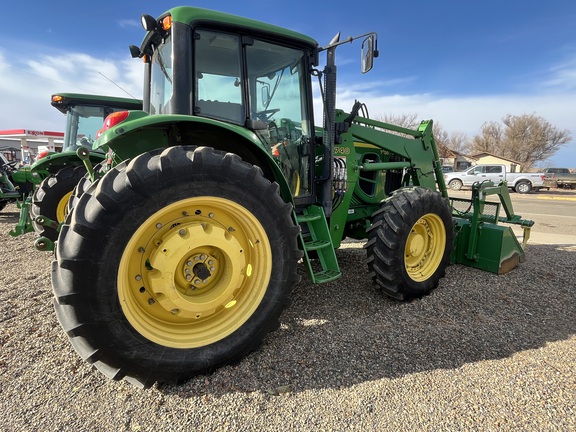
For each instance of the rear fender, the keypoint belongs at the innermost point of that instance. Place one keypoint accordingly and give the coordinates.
(55, 162)
(141, 133)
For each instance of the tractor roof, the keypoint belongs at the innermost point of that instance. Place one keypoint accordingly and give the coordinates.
(194, 16)
(63, 101)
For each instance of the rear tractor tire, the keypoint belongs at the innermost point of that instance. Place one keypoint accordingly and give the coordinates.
(51, 198)
(175, 264)
(410, 242)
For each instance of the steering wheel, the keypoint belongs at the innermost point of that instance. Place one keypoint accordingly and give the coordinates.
(266, 114)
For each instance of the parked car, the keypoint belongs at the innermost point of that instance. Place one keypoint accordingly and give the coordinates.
(560, 178)
(519, 182)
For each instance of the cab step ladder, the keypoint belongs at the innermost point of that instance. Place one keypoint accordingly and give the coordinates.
(315, 236)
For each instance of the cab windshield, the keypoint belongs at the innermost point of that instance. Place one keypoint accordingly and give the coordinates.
(82, 124)
(161, 77)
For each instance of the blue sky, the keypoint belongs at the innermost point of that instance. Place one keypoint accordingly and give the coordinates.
(460, 63)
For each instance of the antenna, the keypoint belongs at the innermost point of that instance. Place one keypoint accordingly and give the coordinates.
(117, 85)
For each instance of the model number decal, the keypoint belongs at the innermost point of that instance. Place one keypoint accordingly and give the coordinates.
(341, 151)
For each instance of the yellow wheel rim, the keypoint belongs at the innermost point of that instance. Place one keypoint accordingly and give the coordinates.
(425, 247)
(194, 272)
(62, 207)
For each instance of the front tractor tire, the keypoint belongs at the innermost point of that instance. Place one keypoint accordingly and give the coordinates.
(174, 264)
(50, 199)
(410, 242)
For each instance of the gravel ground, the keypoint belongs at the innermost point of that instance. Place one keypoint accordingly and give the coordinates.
(482, 352)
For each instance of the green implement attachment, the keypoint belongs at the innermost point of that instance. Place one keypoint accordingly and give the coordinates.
(44, 244)
(479, 241)
(84, 155)
(24, 223)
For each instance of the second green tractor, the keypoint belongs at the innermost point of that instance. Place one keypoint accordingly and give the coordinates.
(54, 175)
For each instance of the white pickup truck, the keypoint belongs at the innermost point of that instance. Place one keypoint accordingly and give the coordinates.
(519, 182)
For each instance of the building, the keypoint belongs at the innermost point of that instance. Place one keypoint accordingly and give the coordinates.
(24, 145)
(461, 162)
(489, 158)
(456, 160)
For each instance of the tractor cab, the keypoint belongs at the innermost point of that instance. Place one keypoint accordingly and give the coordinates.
(85, 114)
(237, 76)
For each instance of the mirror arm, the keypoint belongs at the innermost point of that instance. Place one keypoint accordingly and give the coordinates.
(350, 39)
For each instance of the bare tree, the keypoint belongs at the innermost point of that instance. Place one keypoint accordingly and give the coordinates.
(460, 142)
(526, 139)
(441, 137)
(490, 138)
(408, 121)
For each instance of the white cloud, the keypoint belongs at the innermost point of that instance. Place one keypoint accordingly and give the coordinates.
(468, 113)
(130, 23)
(28, 85)
(563, 76)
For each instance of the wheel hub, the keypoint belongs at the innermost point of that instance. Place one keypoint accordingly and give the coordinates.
(416, 245)
(201, 271)
(187, 287)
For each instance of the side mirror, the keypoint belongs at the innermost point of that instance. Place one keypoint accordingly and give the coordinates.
(368, 53)
(265, 94)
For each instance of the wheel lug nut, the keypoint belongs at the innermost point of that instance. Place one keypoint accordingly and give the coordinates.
(202, 257)
(138, 277)
(158, 225)
(188, 263)
(151, 301)
(210, 262)
(182, 232)
(188, 277)
(197, 281)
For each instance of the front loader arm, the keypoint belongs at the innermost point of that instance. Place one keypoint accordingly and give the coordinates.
(417, 148)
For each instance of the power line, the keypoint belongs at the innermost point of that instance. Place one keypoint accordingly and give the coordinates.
(116, 85)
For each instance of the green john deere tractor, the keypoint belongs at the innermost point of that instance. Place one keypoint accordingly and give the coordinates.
(181, 257)
(57, 173)
(15, 182)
